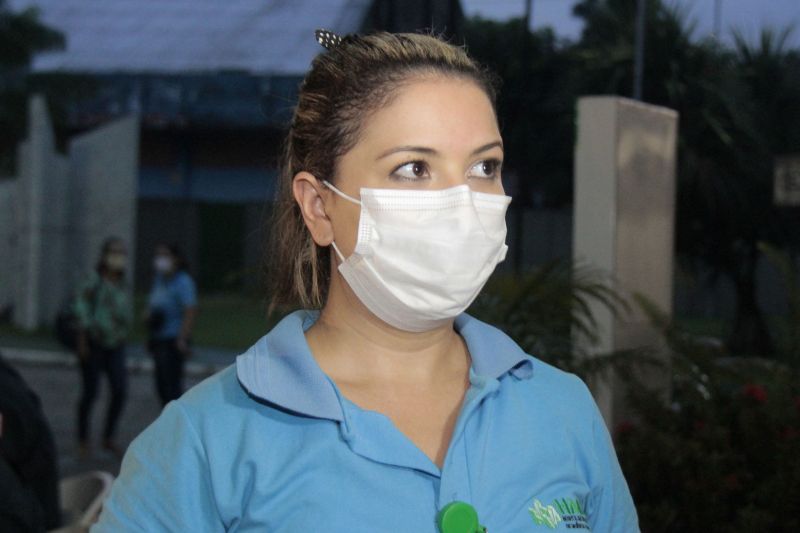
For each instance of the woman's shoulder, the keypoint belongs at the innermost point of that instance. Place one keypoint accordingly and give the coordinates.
(207, 414)
(554, 386)
(191, 444)
(275, 368)
(215, 395)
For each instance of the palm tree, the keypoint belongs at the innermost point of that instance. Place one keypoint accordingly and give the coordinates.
(738, 109)
(750, 113)
(767, 119)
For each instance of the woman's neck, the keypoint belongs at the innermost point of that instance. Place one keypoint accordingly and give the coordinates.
(349, 342)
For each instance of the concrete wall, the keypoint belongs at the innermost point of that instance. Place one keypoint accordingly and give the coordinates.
(62, 208)
(103, 176)
(40, 207)
(256, 219)
(624, 219)
(8, 238)
(164, 221)
(181, 222)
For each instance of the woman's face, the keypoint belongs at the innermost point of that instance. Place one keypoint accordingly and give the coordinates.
(116, 256)
(436, 133)
(163, 260)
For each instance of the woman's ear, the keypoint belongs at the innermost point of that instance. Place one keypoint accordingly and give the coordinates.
(307, 191)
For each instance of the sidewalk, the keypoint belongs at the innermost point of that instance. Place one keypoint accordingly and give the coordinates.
(204, 360)
(54, 376)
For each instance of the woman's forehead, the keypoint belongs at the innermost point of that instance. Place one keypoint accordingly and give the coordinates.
(444, 113)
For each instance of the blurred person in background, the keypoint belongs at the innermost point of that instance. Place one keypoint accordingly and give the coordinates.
(171, 311)
(103, 310)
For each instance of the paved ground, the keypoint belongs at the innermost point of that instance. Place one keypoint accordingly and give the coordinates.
(56, 379)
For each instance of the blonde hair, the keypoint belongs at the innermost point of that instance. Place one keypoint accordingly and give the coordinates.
(344, 85)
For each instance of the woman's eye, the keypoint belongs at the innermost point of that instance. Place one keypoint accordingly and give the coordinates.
(486, 169)
(412, 170)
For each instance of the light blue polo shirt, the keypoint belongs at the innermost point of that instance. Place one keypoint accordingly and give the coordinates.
(271, 445)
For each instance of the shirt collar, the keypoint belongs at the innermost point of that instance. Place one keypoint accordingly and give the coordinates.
(279, 369)
(493, 353)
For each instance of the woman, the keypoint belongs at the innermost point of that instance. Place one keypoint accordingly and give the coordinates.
(103, 311)
(170, 316)
(381, 411)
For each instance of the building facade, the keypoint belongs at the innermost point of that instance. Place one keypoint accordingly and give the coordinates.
(213, 84)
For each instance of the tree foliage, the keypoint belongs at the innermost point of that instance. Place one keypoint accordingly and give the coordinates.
(722, 454)
(21, 36)
(548, 308)
(739, 108)
(535, 105)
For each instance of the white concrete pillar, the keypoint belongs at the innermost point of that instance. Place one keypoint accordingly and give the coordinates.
(33, 162)
(8, 238)
(625, 164)
(63, 209)
(104, 180)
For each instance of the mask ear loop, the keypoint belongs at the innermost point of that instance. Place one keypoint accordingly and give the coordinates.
(346, 197)
(336, 249)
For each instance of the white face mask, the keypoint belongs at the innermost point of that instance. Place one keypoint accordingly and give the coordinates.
(423, 256)
(116, 261)
(162, 264)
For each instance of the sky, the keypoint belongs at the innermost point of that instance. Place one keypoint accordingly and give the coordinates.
(745, 16)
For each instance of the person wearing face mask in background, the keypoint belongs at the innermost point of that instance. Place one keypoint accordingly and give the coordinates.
(103, 311)
(170, 318)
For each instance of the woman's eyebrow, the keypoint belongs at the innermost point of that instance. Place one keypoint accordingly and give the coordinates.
(488, 147)
(431, 151)
(418, 149)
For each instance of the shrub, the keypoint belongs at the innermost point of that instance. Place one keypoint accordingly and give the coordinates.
(543, 309)
(724, 455)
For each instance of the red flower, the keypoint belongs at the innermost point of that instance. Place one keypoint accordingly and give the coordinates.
(755, 392)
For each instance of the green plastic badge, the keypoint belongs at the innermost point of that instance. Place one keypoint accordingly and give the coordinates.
(459, 517)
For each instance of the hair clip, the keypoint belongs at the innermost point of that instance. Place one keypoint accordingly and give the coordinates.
(328, 39)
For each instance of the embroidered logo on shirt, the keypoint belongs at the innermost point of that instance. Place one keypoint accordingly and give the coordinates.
(545, 516)
(567, 510)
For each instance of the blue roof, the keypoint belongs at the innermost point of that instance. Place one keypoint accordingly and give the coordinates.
(262, 37)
